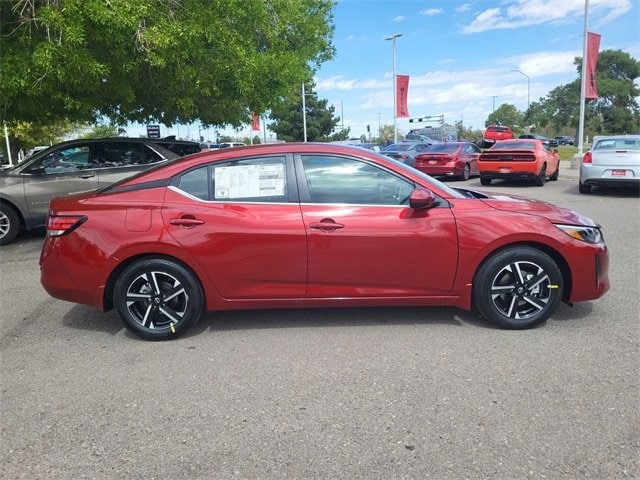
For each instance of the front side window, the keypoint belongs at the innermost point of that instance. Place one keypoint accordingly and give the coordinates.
(332, 179)
(63, 160)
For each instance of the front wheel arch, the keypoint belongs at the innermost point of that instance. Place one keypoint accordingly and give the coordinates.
(553, 254)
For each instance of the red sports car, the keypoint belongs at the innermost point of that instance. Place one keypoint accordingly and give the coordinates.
(452, 159)
(525, 159)
(312, 225)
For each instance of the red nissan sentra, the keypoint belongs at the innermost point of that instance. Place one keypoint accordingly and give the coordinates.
(312, 225)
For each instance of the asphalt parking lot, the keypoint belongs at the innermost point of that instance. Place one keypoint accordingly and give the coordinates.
(406, 393)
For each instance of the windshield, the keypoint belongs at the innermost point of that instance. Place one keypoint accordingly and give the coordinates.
(427, 179)
(443, 148)
(399, 147)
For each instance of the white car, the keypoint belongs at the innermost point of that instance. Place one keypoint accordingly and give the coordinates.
(612, 161)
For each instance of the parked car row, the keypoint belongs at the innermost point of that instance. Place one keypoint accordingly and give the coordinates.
(75, 165)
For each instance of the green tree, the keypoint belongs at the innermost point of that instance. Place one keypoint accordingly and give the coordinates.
(465, 133)
(321, 123)
(507, 115)
(614, 111)
(385, 135)
(156, 60)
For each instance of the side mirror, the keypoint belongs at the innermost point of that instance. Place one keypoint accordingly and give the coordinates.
(555, 150)
(421, 198)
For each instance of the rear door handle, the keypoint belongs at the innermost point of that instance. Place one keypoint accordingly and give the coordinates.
(186, 222)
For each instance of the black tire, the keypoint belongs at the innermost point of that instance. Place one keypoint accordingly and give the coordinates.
(158, 299)
(540, 179)
(466, 172)
(582, 188)
(556, 174)
(485, 180)
(9, 224)
(518, 288)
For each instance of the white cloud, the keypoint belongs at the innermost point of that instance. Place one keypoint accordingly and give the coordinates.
(521, 13)
(465, 7)
(399, 18)
(430, 12)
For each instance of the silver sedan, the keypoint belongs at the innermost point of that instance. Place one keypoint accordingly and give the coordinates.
(612, 161)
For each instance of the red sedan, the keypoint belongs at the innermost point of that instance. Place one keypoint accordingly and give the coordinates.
(452, 159)
(312, 225)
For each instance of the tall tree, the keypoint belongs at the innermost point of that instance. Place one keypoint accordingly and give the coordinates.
(156, 60)
(321, 123)
(508, 115)
(614, 111)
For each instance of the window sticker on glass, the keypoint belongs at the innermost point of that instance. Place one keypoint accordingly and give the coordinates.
(240, 181)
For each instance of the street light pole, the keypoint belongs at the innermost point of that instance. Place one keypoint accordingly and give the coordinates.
(395, 120)
(528, 85)
(494, 103)
(304, 114)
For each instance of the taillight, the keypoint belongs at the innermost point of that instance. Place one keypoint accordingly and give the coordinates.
(586, 158)
(58, 225)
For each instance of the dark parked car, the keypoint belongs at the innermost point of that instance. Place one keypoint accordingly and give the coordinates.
(312, 225)
(551, 142)
(565, 140)
(181, 147)
(76, 165)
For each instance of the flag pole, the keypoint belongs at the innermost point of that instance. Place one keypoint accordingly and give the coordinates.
(583, 83)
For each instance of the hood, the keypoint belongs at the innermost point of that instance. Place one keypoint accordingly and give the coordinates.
(529, 206)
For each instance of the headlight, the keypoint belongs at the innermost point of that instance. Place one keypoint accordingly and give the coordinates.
(582, 233)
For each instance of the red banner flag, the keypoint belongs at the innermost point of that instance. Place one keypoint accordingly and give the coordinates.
(593, 47)
(255, 122)
(402, 94)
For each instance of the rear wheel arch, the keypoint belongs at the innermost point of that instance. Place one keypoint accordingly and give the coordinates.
(115, 274)
(11, 214)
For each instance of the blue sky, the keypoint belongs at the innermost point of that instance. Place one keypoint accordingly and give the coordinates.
(459, 54)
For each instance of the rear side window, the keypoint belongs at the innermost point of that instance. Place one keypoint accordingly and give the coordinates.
(246, 180)
(122, 154)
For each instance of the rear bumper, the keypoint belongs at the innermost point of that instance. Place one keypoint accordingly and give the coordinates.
(609, 175)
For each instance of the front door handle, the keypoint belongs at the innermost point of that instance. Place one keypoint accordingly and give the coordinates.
(326, 225)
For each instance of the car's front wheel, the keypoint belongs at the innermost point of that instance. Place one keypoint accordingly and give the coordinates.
(9, 224)
(158, 299)
(517, 288)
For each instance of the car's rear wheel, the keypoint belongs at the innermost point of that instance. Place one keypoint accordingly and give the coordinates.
(542, 177)
(158, 299)
(485, 180)
(584, 188)
(466, 172)
(555, 174)
(518, 288)
(9, 224)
